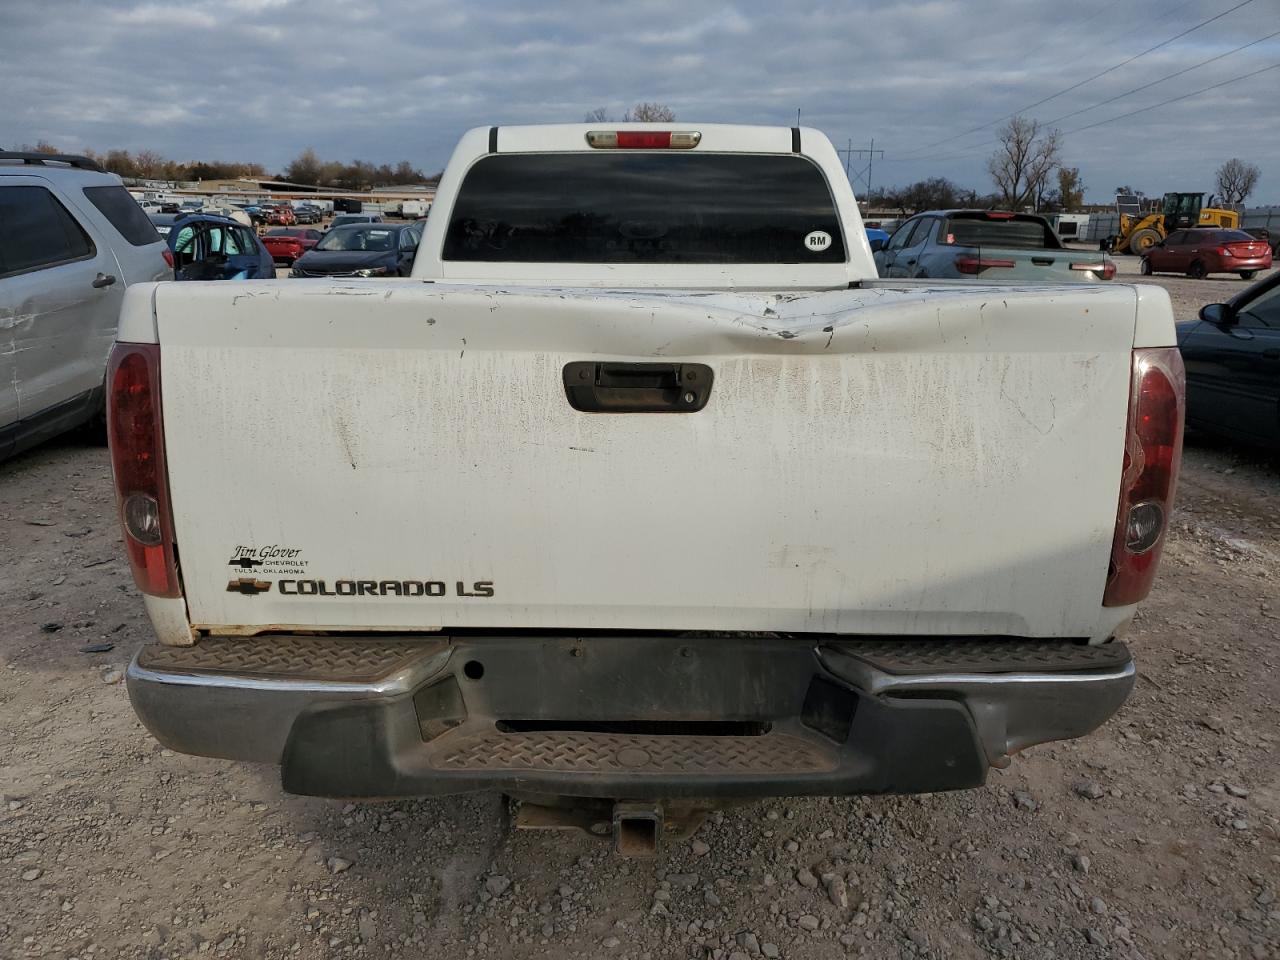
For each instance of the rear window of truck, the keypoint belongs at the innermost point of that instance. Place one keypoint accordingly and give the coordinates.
(644, 208)
(1030, 233)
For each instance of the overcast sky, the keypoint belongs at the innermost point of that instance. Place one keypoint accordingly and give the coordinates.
(385, 80)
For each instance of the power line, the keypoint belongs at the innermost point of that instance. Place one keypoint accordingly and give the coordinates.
(1076, 86)
(1108, 6)
(1163, 103)
(968, 151)
(1170, 76)
(1166, 16)
(869, 152)
(1124, 116)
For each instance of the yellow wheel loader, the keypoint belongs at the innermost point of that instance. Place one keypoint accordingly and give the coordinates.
(1139, 232)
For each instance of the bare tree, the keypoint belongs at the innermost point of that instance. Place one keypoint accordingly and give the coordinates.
(304, 168)
(598, 115)
(936, 193)
(1236, 180)
(120, 162)
(1021, 165)
(649, 113)
(1070, 189)
(150, 165)
(40, 146)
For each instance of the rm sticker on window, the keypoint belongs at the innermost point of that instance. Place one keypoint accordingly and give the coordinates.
(817, 241)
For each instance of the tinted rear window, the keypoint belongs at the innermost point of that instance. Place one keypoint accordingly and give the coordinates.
(644, 208)
(37, 231)
(978, 231)
(1234, 236)
(366, 238)
(125, 215)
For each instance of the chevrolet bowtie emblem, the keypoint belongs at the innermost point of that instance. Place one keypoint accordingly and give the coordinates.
(248, 586)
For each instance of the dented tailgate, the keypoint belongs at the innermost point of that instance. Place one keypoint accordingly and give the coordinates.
(404, 456)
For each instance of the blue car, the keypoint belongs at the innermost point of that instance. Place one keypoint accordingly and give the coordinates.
(205, 247)
(988, 245)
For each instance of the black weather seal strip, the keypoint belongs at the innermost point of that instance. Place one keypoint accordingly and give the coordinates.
(493, 139)
(795, 139)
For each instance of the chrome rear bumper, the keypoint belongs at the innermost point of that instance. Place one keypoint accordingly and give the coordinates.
(626, 716)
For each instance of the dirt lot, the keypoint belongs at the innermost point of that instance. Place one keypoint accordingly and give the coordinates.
(1158, 837)
(1189, 295)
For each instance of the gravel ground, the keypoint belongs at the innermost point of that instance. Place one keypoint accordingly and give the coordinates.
(1157, 837)
(1188, 295)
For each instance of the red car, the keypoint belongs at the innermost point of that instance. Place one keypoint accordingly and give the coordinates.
(282, 215)
(287, 244)
(1201, 251)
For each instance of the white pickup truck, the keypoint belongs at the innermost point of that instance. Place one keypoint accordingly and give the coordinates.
(642, 494)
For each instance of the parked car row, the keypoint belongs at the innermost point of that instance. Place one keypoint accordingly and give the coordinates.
(207, 247)
(286, 215)
(1001, 245)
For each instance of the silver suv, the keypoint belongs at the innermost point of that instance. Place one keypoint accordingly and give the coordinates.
(71, 239)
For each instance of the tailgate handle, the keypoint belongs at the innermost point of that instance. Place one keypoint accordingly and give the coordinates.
(1042, 261)
(607, 387)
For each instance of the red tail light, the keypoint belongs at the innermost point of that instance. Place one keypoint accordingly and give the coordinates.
(1152, 455)
(998, 214)
(966, 263)
(643, 139)
(168, 257)
(136, 435)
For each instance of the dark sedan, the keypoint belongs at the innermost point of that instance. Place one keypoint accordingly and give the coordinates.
(1232, 355)
(362, 250)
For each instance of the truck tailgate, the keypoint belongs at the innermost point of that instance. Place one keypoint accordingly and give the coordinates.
(402, 456)
(1020, 265)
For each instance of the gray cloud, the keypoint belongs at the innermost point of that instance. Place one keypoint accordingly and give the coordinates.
(261, 79)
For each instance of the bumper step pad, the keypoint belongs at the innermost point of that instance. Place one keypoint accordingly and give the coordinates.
(572, 751)
(319, 659)
(349, 659)
(928, 655)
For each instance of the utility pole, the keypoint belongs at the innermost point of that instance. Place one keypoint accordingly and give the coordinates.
(869, 152)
